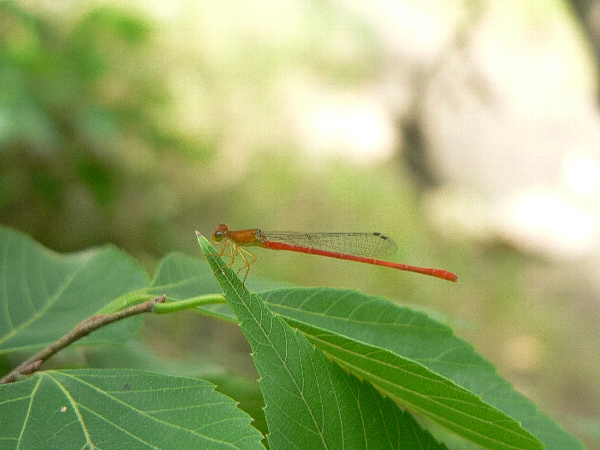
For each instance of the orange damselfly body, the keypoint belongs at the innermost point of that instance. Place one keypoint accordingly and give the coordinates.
(360, 247)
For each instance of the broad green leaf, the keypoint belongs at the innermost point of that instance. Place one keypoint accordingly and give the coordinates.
(43, 294)
(129, 409)
(310, 402)
(415, 387)
(414, 336)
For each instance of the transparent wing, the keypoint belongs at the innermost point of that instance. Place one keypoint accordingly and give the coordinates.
(368, 244)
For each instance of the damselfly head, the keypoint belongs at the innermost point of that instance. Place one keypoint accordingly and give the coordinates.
(220, 232)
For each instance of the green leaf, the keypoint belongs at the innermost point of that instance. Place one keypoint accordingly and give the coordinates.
(413, 336)
(310, 402)
(120, 409)
(44, 294)
(419, 389)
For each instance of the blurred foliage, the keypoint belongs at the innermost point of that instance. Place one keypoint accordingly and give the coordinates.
(80, 135)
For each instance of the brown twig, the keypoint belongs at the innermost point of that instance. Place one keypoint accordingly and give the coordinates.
(81, 330)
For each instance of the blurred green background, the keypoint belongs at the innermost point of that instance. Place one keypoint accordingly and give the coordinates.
(136, 124)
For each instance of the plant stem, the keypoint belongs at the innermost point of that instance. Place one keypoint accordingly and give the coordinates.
(170, 307)
(81, 330)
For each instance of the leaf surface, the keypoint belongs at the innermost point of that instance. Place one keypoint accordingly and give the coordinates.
(43, 294)
(129, 409)
(412, 335)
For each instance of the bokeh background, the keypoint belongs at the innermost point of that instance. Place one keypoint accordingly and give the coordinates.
(467, 130)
